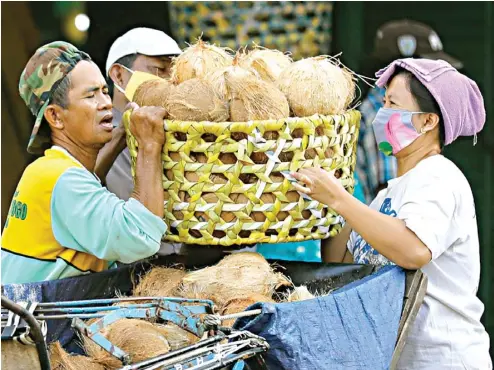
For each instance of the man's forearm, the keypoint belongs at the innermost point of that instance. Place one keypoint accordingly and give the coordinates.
(109, 153)
(148, 182)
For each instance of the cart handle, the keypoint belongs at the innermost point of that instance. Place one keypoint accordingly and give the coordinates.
(44, 358)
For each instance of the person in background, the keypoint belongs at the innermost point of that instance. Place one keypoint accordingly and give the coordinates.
(148, 51)
(396, 39)
(62, 222)
(425, 218)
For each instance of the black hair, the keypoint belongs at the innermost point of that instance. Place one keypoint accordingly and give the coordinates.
(423, 97)
(126, 61)
(60, 97)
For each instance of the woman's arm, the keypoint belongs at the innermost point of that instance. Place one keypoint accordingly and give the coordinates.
(388, 235)
(334, 250)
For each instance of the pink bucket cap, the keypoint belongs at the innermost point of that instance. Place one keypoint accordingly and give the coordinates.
(458, 97)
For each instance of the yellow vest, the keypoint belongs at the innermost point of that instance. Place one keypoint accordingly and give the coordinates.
(28, 228)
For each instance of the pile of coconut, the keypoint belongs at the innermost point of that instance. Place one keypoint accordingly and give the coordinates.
(215, 84)
(238, 280)
(235, 283)
(211, 83)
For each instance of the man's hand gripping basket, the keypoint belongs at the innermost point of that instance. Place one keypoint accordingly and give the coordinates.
(225, 182)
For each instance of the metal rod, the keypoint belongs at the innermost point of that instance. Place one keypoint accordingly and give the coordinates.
(116, 300)
(44, 359)
(92, 309)
(180, 351)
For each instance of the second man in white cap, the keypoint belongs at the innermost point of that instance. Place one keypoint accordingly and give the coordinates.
(144, 50)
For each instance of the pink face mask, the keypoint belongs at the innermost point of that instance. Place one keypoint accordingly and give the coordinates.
(394, 130)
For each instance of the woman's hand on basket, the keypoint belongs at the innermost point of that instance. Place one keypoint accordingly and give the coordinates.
(320, 185)
(146, 124)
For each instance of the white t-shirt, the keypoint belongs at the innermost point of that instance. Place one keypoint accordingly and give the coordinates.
(436, 203)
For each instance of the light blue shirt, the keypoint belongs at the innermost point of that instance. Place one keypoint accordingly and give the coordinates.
(84, 216)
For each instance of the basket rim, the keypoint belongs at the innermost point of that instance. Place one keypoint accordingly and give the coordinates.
(288, 120)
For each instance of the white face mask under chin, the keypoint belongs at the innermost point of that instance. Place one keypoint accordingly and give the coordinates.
(118, 87)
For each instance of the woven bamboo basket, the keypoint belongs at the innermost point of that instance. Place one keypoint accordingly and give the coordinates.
(216, 194)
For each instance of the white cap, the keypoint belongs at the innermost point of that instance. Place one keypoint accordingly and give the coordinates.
(146, 41)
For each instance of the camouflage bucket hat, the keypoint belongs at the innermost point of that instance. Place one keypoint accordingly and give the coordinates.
(43, 73)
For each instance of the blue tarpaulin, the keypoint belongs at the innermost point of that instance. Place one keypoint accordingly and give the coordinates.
(355, 327)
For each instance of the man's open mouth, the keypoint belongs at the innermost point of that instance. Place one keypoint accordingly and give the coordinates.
(107, 121)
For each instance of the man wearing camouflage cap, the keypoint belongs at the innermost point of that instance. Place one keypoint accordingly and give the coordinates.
(62, 222)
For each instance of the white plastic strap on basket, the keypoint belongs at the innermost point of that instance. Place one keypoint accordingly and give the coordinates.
(273, 157)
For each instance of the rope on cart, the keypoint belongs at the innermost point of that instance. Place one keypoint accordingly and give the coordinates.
(215, 320)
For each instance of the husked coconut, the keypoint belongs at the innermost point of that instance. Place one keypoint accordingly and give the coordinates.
(180, 136)
(266, 198)
(238, 136)
(217, 78)
(199, 157)
(255, 99)
(268, 63)
(176, 336)
(61, 360)
(316, 86)
(250, 97)
(240, 304)
(248, 178)
(228, 158)
(153, 93)
(191, 176)
(195, 100)
(218, 178)
(312, 153)
(300, 293)
(233, 276)
(259, 157)
(238, 111)
(159, 282)
(212, 198)
(199, 59)
(277, 177)
(286, 156)
(139, 338)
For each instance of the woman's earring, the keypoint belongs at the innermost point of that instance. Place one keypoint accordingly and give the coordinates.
(422, 130)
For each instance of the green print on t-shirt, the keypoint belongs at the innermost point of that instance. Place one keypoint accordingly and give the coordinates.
(18, 210)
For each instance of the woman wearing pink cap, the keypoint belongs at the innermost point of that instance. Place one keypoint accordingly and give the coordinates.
(425, 219)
